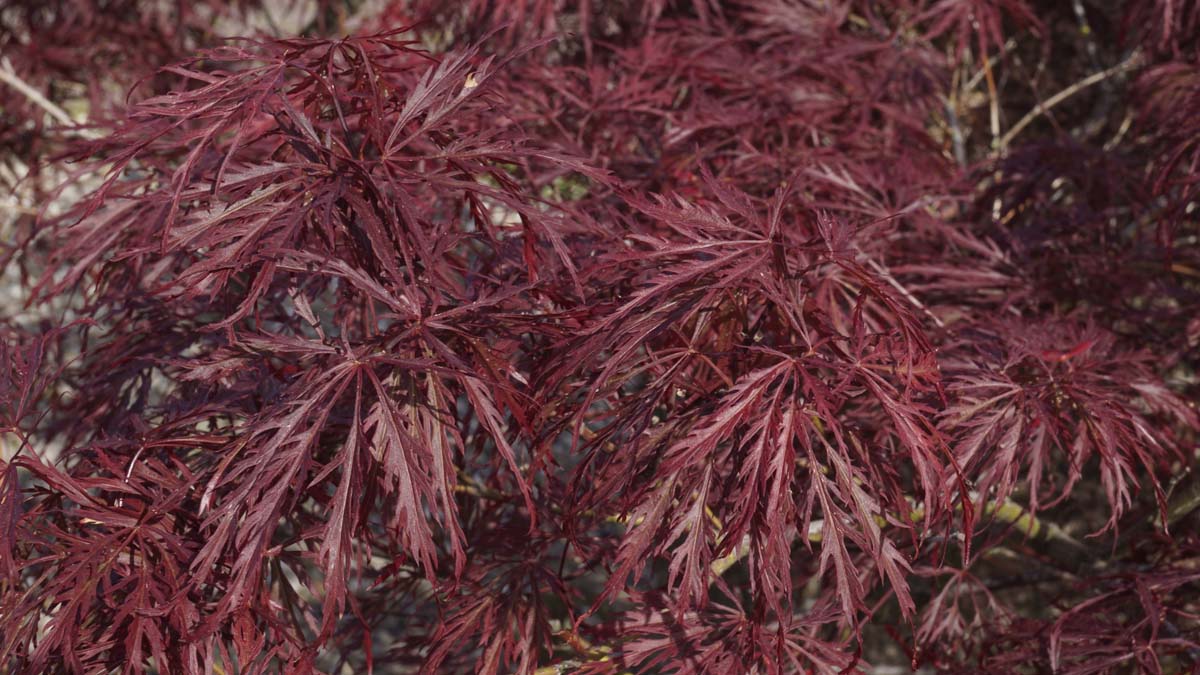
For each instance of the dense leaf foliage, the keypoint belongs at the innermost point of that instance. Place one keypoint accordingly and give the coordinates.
(560, 336)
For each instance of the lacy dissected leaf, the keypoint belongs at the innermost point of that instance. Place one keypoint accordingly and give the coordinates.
(1034, 408)
(598, 337)
(792, 338)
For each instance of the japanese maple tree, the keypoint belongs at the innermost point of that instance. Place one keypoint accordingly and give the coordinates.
(570, 336)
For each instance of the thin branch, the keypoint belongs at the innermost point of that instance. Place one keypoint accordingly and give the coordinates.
(1183, 503)
(1009, 45)
(993, 123)
(1130, 63)
(1126, 123)
(9, 76)
(956, 134)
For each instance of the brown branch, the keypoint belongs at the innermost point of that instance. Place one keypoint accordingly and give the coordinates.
(9, 76)
(1130, 63)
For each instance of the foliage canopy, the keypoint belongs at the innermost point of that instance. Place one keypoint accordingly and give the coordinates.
(555, 336)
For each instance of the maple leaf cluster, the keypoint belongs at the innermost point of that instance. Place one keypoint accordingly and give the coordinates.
(573, 336)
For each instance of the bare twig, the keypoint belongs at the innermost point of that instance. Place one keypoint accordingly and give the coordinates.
(994, 123)
(1183, 502)
(1009, 45)
(1126, 123)
(9, 76)
(956, 134)
(993, 99)
(1130, 63)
